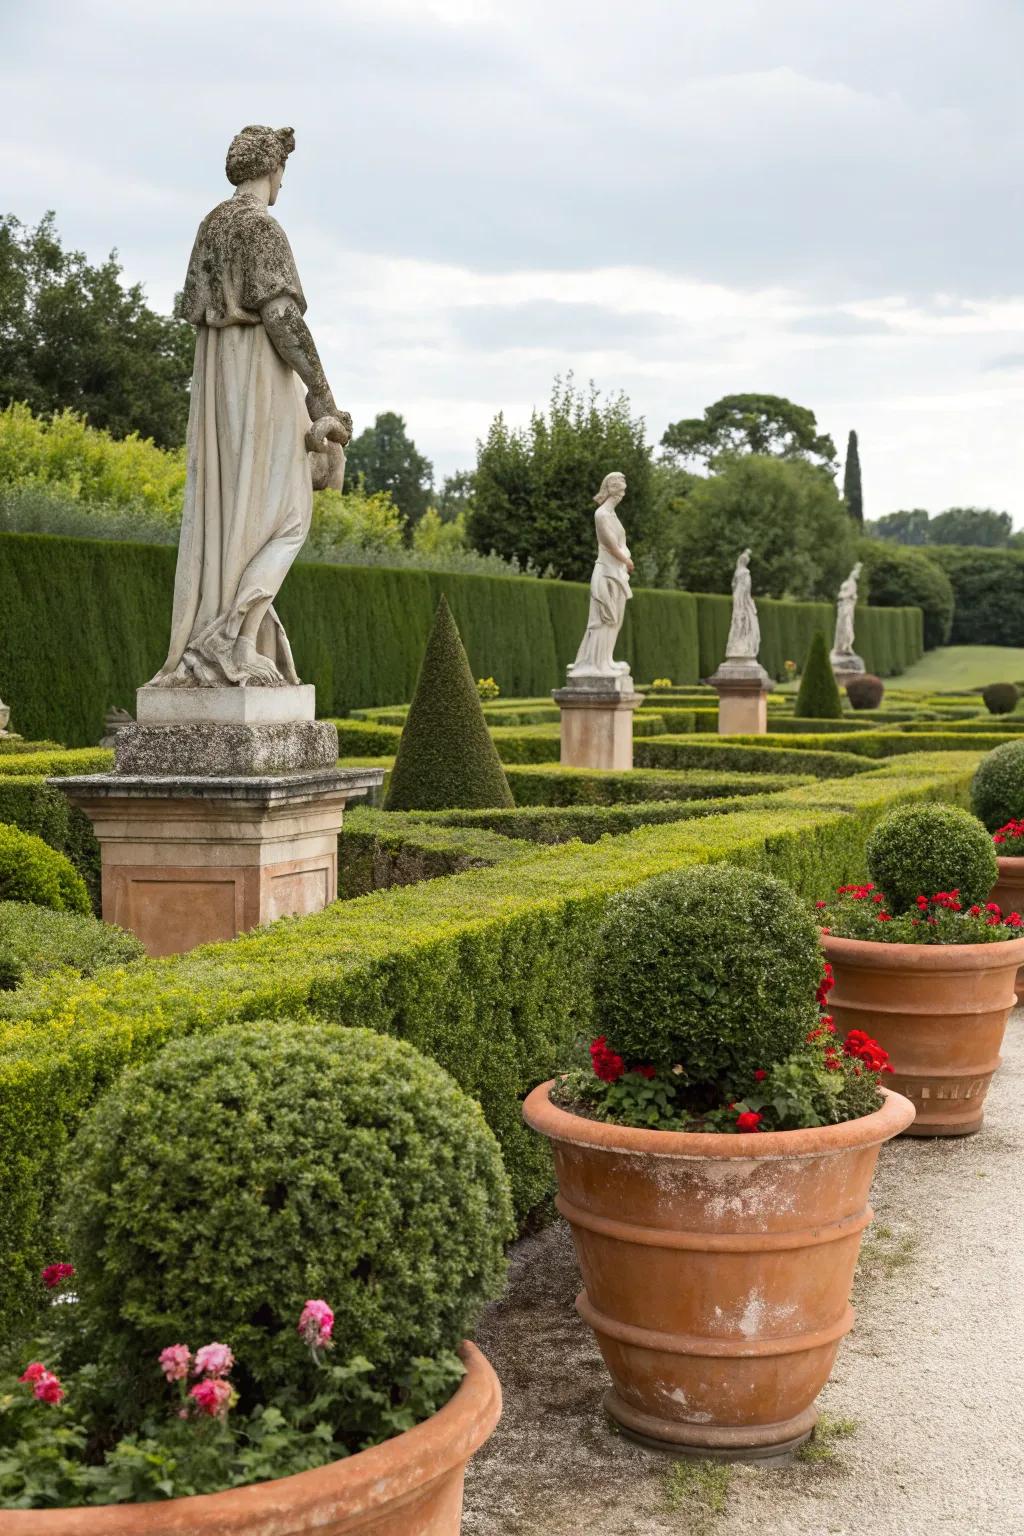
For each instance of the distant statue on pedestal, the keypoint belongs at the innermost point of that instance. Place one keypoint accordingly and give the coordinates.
(744, 640)
(260, 402)
(609, 589)
(846, 604)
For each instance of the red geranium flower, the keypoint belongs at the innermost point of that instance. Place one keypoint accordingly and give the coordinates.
(54, 1274)
(750, 1120)
(608, 1066)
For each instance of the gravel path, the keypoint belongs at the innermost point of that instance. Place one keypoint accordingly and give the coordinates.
(932, 1376)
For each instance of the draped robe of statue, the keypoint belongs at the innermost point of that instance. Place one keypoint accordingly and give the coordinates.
(744, 640)
(846, 604)
(609, 594)
(248, 497)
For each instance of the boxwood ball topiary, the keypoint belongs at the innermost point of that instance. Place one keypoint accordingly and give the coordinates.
(918, 850)
(30, 870)
(218, 1187)
(997, 793)
(446, 758)
(866, 691)
(818, 698)
(714, 968)
(1000, 698)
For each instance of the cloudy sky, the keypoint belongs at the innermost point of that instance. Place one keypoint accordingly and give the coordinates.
(675, 199)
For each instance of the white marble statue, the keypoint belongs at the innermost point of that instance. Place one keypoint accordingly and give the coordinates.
(259, 400)
(846, 604)
(744, 640)
(609, 588)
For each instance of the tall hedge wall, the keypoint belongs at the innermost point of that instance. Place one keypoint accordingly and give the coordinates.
(84, 622)
(988, 586)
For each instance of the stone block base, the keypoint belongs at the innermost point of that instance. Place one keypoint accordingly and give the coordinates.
(742, 688)
(229, 751)
(597, 728)
(225, 706)
(192, 861)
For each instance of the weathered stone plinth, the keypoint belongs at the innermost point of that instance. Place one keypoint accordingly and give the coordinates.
(192, 860)
(225, 751)
(846, 665)
(597, 722)
(743, 688)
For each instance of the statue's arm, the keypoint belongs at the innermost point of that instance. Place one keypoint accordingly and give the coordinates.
(294, 344)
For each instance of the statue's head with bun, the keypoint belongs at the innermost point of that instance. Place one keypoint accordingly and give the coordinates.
(257, 153)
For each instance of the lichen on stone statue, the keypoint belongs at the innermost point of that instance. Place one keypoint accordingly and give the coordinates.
(263, 428)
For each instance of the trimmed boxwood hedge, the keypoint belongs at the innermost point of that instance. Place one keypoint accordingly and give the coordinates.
(358, 632)
(539, 785)
(378, 849)
(748, 754)
(487, 972)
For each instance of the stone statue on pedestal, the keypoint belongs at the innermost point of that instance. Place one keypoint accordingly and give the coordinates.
(744, 640)
(609, 593)
(845, 662)
(260, 400)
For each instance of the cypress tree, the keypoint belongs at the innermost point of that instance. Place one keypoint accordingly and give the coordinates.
(446, 758)
(818, 698)
(852, 494)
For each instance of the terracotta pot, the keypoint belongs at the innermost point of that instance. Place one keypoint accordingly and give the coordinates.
(940, 1010)
(1009, 892)
(717, 1268)
(409, 1486)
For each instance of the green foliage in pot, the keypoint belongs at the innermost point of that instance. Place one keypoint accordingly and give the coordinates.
(708, 988)
(32, 871)
(220, 1185)
(997, 793)
(818, 698)
(709, 967)
(1001, 698)
(922, 849)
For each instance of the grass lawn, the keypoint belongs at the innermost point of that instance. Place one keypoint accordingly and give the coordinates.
(963, 666)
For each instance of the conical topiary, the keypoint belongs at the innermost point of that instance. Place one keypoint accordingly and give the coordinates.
(446, 758)
(818, 698)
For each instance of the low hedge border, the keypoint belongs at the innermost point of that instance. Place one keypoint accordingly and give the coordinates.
(29, 803)
(542, 785)
(879, 744)
(588, 823)
(487, 972)
(17, 744)
(379, 849)
(749, 754)
(60, 764)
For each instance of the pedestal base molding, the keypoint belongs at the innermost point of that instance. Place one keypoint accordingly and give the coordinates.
(596, 728)
(193, 860)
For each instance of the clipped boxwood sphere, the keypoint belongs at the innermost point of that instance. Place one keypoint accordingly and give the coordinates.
(30, 870)
(218, 1187)
(921, 849)
(997, 793)
(715, 968)
(1000, 698)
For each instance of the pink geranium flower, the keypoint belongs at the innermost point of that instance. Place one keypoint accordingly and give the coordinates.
(175, 1361)
(316, 1324)
(214, 1396)
(213, 1360)
(45, 1385)
(55, 1274)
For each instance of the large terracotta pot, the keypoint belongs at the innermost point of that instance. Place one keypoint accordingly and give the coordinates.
(940, 1010)
(409, 1486)
(1009, 892)
(716, 1268)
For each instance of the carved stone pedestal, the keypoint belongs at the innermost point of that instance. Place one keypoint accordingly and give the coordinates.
(743, 688)
(846, 665)
(194, 860)
(597, 723)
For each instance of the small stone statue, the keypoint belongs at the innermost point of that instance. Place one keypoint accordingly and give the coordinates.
(249, 492)
(5, 715)
(846, 604)
(609, 589)
(744, 640)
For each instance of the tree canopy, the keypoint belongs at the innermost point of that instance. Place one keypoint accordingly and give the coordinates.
(789, 513)
(72, 336)
(385, 458)
(534, 486)
(763, 424)
(980, 527)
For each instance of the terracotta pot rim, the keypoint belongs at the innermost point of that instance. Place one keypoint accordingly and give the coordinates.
(558, 1124)
(926, 957)
(359, 1484)
(1011, 860)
